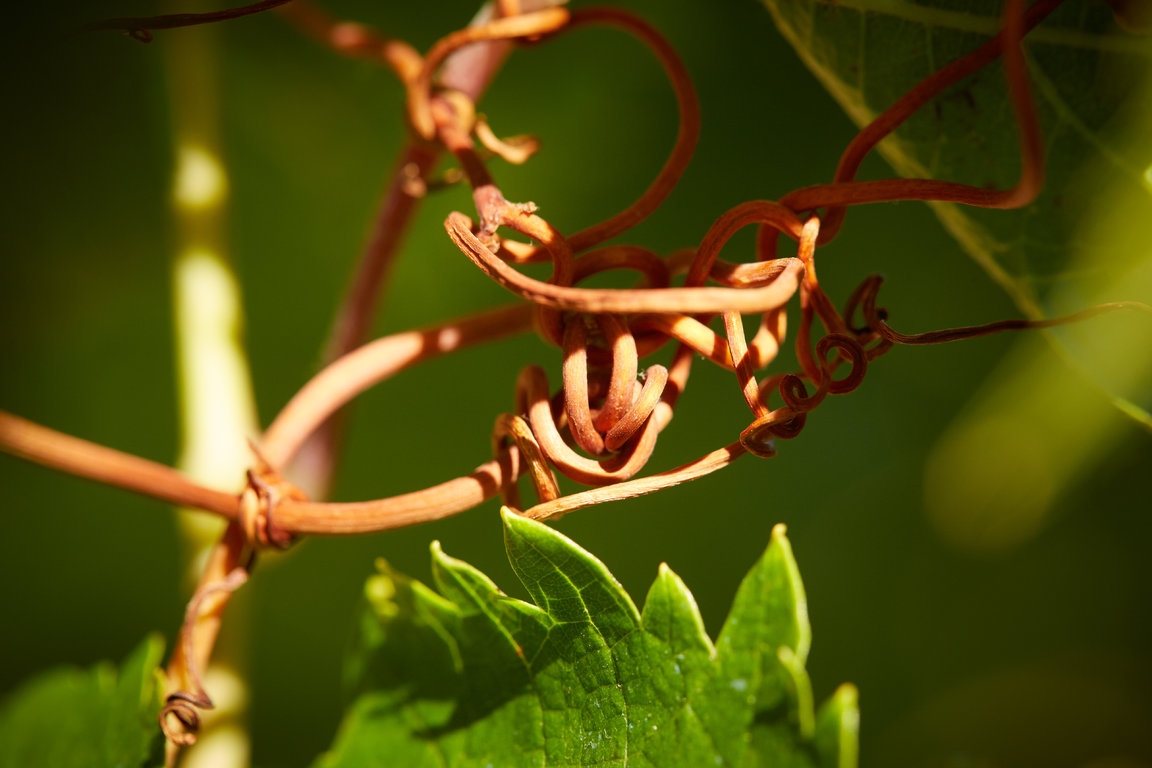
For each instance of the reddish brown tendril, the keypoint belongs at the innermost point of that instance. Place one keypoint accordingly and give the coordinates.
(576, 388)
(688, 132)
(532, 386)
(689, 300)
(876, 317)
(604, 333)
(625, 363)
(1015, 21)
(655, 379)
(544, 481)
(524, 25)
(180, 716)
(673, 316)
(693, 470)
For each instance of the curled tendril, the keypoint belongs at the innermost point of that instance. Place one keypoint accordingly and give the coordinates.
(795, 394)
(851, 351)
(604, 334)
(843, 192)
(532, 395)
(758, 438)
(600, 428)
(180, 716)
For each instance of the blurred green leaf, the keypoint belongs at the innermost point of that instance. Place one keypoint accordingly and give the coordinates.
(838, 728)
(468, 676)
(87, 717)
(1086, 74)
(868, 53)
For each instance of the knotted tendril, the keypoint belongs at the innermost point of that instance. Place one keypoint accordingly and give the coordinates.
(600, 426)
(264, 491)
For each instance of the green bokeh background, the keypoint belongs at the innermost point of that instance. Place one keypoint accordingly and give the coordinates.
(1033, 655)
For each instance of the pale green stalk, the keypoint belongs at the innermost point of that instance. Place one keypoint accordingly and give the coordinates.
(218, 414)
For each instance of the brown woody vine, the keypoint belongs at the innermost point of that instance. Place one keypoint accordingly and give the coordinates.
(602, 424)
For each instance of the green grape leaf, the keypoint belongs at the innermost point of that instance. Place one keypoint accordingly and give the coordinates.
(88, 718)
(1087, 75)
(467, 676)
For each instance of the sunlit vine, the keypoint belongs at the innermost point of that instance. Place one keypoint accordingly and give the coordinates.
(601, 426)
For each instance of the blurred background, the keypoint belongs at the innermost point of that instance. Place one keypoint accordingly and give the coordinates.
(977, 637)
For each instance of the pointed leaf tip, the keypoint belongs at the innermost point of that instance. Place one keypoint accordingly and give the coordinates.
(566, 580)
(461, 583)
(770, 609)
(671, 614)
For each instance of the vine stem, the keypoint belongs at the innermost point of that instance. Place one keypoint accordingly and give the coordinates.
(324, 394)
(355, 372)
(315, 462)
(82, 458)
(469, 70)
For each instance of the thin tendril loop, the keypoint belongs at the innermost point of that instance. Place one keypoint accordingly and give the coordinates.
(764, 212)
(184, 709)
(688, 132)
(852, 352)
(759, 437)
(795, 394)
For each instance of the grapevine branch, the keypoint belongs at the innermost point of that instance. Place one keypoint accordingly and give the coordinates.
(468, 71)
(600, 428)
